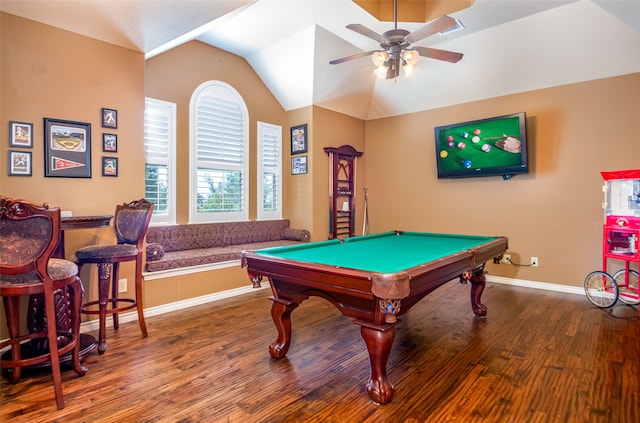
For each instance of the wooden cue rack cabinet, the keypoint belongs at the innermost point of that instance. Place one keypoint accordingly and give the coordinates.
(342, 185)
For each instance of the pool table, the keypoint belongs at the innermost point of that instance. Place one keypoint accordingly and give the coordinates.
(372, 279)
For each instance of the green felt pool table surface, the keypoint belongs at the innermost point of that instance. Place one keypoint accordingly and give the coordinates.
(387, 252)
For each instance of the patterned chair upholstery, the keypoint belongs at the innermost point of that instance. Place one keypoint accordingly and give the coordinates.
(29, 234)
(130, 223)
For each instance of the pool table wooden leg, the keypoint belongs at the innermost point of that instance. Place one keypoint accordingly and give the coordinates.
(281, 313)
(379, 340)
(478, 282)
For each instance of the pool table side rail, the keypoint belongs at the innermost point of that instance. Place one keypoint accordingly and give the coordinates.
(430, 276)
(322, 277)
(313, 275)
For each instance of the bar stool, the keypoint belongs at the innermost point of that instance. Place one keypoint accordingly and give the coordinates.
(29, 234)
(130, 223)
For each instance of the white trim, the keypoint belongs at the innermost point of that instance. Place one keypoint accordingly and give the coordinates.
(175, 306)
(537, 285)
(161, 274)
(179, 305)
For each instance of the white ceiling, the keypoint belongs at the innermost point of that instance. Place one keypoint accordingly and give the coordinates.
(509, 46)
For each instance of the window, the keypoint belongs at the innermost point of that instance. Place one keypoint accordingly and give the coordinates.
(219, 137)
(269, 171)
(159, 153)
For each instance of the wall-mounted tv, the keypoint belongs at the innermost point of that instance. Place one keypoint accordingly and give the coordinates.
(485, 147)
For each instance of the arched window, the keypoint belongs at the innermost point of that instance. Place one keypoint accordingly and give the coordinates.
(219, 140)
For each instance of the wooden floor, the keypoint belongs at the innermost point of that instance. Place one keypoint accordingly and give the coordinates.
(538, 356)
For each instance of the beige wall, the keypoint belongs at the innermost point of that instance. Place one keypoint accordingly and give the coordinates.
(553, 213)
(299, 195)
(48, 72)
(332, 129)
(174, 75)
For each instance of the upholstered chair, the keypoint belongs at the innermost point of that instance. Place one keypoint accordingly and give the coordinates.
(130, 223)
(29, 234)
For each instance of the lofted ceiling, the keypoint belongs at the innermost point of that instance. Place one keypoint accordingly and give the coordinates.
(509, 46)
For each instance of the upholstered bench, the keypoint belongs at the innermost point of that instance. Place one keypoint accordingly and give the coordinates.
(177, 246)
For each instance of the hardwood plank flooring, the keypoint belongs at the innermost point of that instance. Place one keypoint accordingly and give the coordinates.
(538, 356)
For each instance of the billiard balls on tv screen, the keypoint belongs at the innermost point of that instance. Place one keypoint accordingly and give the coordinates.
(461, 145)
(486, 148)
(466, 164)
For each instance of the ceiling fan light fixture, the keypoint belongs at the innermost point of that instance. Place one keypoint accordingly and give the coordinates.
(379, 58)
(410, 57)
(381, 71)
(408, 69)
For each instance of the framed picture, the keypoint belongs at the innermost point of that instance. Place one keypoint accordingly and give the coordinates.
(109, 118)
(19, 163)
(298, 165)
(67, 148)
(20, 134)
(109, 166)
(110, 143)
(299, 139)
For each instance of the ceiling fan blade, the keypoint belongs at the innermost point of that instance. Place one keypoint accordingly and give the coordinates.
(442, 23)
(434, 53)
(361, 29)
(354, 56)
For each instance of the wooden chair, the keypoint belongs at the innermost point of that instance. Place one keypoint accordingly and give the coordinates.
(29, 233)
(130, 223)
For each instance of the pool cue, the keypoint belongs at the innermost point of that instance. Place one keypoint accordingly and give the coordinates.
(365, 221)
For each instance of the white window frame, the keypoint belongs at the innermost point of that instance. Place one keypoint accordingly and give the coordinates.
(274, 134)
(159, 216)
(225, 92)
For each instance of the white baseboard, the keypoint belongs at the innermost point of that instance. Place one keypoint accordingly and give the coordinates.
(175, 306)
(537, 285)
(179, 305)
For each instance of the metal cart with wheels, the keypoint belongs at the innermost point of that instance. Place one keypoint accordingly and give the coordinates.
(620, 242)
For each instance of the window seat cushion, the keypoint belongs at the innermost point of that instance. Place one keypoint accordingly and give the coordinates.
(176, 246)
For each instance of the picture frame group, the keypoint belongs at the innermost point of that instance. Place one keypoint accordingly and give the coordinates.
(299, 165)
(20, 134)
(109, 118)
(299, 143)
(67, 148)
(19, 163)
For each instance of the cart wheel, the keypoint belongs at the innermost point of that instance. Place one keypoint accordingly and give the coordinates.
(628, 293)
(601, 289)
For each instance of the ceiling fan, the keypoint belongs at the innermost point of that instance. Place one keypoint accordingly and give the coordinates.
(395, 44)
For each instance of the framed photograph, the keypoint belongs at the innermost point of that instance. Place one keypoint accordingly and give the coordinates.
(109, 118)
(298, 165)
(109, 166)
(67, 148)
(110, 143)
(19, 163)
(299, 139)
(20, 134)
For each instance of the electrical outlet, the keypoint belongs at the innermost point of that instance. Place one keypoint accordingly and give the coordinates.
(506, 259)
(122, 285)
(534, 261)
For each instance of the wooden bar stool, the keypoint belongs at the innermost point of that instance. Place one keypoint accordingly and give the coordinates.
(130, 223)
(29, 234)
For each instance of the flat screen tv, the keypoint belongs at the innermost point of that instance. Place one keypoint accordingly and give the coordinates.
(494, 146)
